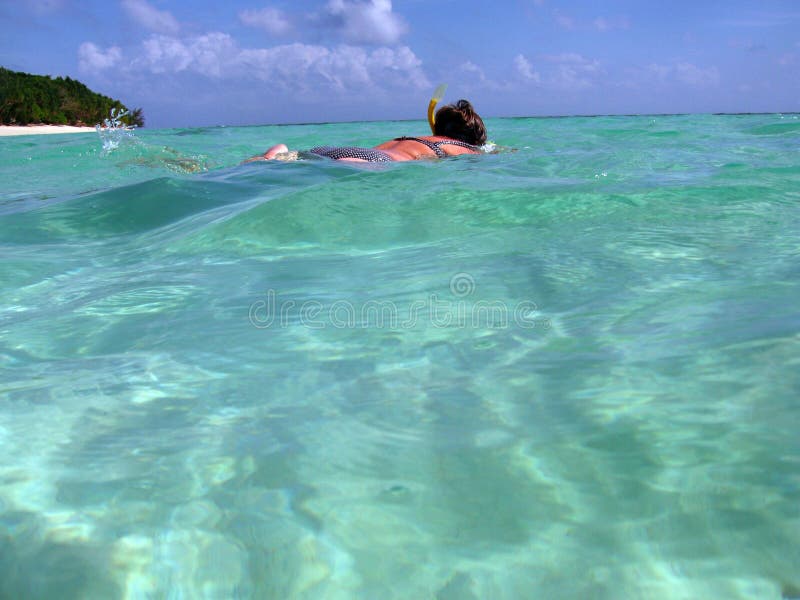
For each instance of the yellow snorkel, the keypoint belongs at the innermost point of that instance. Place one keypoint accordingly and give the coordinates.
(437, 95)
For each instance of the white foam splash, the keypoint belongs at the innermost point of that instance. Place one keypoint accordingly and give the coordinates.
(113, 131)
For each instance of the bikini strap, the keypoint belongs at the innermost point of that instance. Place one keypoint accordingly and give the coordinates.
(432, 145)
(459, 143)
(437, 146)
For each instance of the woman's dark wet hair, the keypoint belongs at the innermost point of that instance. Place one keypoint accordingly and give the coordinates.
(460, 122)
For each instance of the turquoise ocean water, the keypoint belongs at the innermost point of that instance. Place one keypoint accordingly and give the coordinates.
(570, 369)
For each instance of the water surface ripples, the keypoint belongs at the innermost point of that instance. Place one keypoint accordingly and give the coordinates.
(565, 370)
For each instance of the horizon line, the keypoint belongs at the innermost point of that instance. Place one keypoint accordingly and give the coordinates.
(566, 116)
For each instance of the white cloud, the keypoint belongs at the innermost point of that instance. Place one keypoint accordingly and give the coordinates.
(293, 67)
(44, 7)
(371, 22)
(474, 78)
(285, 65)
(604, 24)
(564, 21)
(473, 70)
(160, 21)
(210, 54)
(91, 58)
(271, 20)
(164, 54)
(696, 76)
(683, 72)
(297, 66)
(762, 18)
(659, 72)
(525, 69)
(568, 57)
(747, 45)
(601, 24)
(573, 71)
(402, 59)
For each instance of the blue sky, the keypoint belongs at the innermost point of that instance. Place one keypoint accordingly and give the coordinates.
(250, 62)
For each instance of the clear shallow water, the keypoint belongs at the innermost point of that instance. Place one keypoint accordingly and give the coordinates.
(566, 371)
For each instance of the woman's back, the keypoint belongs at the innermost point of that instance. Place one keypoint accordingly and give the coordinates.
(433, 146)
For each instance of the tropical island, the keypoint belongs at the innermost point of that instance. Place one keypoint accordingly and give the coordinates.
(27, 99)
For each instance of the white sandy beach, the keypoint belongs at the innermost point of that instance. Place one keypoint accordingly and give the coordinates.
(41, 129)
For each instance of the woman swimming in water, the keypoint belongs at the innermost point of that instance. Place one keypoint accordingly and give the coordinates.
(457, 129)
